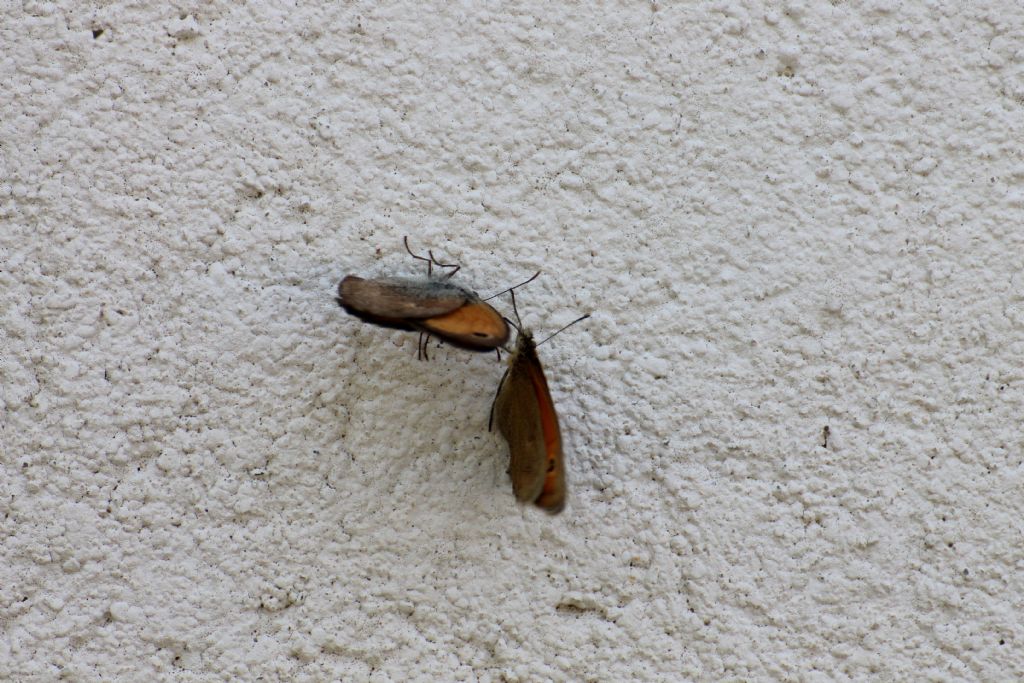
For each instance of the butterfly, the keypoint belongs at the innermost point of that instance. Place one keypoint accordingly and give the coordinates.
(434, 306)
(526, 417)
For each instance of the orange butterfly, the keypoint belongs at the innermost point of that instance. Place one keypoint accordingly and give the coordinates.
(433, 306)
(526, 417)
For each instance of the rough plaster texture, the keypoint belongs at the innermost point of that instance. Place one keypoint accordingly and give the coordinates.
(785, 217)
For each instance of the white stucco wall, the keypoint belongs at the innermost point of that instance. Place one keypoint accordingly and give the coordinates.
(784, 217)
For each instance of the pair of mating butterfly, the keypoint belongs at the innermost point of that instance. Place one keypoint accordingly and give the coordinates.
(522, 407)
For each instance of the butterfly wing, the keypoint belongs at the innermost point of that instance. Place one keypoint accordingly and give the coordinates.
(553, 491)
(526, 418)
(474, 325)
(399, 299)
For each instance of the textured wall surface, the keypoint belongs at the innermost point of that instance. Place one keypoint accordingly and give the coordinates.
(793, 422)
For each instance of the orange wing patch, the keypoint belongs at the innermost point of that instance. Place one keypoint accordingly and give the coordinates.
(475, 323)
(552, 495)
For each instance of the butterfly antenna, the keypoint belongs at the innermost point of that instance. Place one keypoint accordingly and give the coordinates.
(519, 321)
(524, 282)
(565, 327)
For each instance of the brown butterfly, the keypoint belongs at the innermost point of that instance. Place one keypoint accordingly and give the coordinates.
(432, 306)
(526, 417)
